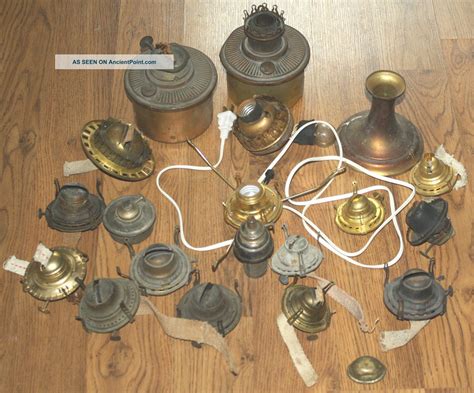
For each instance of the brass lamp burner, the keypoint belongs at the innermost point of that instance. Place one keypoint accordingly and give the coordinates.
(252, 199)
(360, 214)
(117, 149)
(62, 276)
(263, 124)
(432, 177)
(380, 139)
(306, 308)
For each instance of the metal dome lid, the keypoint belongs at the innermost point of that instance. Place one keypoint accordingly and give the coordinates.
(265, 50)
(130, 218)
(161, 269)
(192, 80)
(212, 303)
(118, 149)
(62, 275)
(74, 209)
(109, 304)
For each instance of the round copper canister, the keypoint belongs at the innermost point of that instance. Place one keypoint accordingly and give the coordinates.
(172, 106)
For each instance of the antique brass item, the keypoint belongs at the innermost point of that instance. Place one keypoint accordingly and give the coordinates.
(296, 258)
(429, 222)
(160, 269)
(74, 209)
(108, 305)
(212, 303)
(263, 124)
(432, 177)
(360, 214)
(253, 246)
(306, 308)
(130, 219)
(172, 105)
(366, 370)
(265, 57)
(59, 278)
(380, 139)
(118, 149)
(252, 199)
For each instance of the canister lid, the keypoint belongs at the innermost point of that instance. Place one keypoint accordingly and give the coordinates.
(192, 80)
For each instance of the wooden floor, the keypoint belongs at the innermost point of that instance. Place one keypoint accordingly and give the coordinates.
(430, 42)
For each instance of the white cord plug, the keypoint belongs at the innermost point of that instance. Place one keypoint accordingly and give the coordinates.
(225, 122)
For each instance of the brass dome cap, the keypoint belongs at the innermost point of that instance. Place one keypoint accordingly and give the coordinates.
(252, 199)
(108, 304)
(360, 214)
(118, 149)
(62, 276)
(432, 177)
(306, 308)
(263, 124)
(366, 369)
(161, 269)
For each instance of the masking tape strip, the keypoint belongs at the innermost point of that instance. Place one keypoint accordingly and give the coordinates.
(346, 301)
(392, 339)
(42, 254)
(191, 330)
(299, 358)
(15, 265)
(78, 167)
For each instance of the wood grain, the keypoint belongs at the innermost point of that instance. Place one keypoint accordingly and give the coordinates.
(43, 110)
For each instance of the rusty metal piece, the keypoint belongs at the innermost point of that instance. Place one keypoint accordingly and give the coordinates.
(118, 149)
(252, 199)
(265, 57)
(253, 246)
(360, 214)
(306, 308)
(108, 305)
(432, 177)
(263, 124)
(74, 209)
(366, 370)
(416, 295)
(380, 139)
(172, 106)
(60, 278)
(429, 222)
(161, 269)
(212, 303)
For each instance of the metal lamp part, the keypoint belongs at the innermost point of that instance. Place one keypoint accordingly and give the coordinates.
(366, 370)
(265, 57)
(172, 105)
(432, 177)
(108, 305)
(296, 257)
(212, 303)
(380, 139)
(130, 219)
(118, 149)
(263, 124)
(253, 246)
(306, 308)
(429, 222)
(160, 269)
(252, 199)
(74, 209)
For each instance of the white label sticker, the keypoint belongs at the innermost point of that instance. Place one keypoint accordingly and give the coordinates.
(78, 167)
(42, 254)
(15, 265)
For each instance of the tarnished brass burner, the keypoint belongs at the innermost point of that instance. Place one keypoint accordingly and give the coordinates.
(252, 199)
(432, 177)
(263, 124)
(380, 139)
(117, 149)
(360, 214)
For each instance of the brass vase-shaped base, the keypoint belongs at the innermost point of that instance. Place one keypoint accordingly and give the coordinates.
(380, 139)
